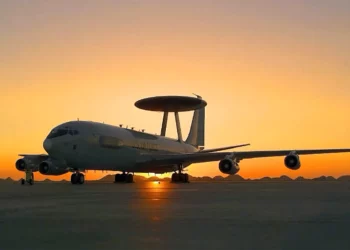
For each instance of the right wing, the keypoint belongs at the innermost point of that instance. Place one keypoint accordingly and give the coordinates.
(35, 157)
(30, 161)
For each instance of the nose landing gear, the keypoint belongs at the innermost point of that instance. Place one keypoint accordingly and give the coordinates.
(77, 178)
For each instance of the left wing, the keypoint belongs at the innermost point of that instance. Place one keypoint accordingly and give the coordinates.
(168, 159)
(222, 148)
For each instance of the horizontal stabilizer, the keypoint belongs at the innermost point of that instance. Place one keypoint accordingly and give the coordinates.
(222, 148)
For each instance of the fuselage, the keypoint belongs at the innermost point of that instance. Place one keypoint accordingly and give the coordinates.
(98, 146)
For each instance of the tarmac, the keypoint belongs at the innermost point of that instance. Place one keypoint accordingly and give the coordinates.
(151, 215)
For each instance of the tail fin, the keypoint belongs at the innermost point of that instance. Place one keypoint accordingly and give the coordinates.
(196, 134)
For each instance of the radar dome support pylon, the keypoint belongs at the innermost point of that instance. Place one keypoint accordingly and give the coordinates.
(178, 125)
(164, 123)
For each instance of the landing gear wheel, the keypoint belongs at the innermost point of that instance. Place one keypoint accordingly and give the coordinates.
(31, 180)
(124, 178)
(117, 178)
(179, 178)
(77, 178)
(29, 177)
(74, 179)
(81, 178)
(129, 178)
(185, 178)
(175, 177)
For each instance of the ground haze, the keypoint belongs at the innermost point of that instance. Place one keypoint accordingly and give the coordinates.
(152, 215)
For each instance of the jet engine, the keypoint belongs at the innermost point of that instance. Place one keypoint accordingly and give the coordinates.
(21, 164)
(228, 166)
(30, 163)
(292, 161)
(48, 168)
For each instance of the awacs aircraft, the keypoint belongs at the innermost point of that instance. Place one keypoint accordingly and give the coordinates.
(77, 146)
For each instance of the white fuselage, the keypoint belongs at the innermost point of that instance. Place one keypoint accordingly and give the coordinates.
(97, 146)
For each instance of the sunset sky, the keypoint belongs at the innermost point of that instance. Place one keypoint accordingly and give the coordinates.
(275, 74)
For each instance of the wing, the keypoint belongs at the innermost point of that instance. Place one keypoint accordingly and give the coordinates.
(169, 159)
(32, 161)
(223, 148)
(37, 157)
(34, 155)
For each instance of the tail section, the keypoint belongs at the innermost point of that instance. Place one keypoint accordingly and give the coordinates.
(196, 134)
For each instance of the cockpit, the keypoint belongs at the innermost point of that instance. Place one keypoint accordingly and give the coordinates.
(57, 132)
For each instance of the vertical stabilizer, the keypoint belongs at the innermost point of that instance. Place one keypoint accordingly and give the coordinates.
(196, 134)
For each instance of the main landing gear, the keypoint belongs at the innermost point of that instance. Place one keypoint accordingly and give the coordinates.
(180, 177)
(124, 178)
(77, 178)
(29, 178)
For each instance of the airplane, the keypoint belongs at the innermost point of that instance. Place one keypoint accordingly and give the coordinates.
(78, 146)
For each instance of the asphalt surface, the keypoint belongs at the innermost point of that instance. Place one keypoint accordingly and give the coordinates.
(281, 215)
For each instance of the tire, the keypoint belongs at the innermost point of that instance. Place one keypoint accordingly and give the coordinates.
(181, 177)
(185, 178)
(117, 178)
(175, 177)
(129, 178)
(81, 179)
(74, 179)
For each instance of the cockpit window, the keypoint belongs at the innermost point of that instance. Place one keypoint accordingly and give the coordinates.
(57, 132)
(62, 131)
(73, 132)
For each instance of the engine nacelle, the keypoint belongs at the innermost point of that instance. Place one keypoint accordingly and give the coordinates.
(21, 164)
(292, 161)
(228, 166)
(48, 168)
(27, 163)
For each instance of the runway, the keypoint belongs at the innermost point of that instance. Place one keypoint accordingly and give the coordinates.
(247, 215)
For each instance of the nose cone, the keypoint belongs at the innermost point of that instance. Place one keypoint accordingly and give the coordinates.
(47, 145)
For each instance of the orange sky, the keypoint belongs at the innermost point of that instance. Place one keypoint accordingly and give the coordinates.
(275, 74)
